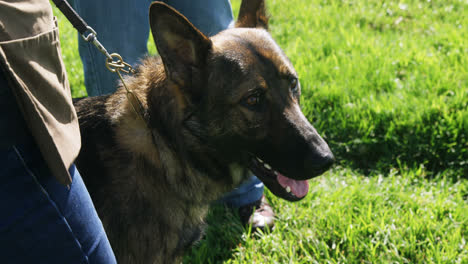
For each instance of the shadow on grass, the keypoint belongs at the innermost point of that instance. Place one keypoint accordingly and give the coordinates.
(222, 235)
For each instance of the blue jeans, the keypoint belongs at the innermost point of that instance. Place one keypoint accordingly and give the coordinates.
(123, 27)
(43, 221)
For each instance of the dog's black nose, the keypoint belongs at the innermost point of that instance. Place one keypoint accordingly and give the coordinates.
(317, 163)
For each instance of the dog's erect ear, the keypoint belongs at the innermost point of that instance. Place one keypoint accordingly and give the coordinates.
(182, 47)
(252, 14)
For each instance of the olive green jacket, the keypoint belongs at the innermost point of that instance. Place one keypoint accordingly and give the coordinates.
(30, 54)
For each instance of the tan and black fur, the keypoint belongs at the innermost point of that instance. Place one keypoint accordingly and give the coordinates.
(213, 108)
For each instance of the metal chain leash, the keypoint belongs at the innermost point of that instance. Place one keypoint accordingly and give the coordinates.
(115, 64)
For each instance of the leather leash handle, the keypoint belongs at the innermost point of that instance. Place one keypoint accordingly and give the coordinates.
(72, 16)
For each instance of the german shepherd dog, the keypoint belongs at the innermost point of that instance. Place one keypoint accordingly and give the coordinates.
(213, 109)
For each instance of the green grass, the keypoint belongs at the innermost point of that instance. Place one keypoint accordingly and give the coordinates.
(394, 217)
(386, 83)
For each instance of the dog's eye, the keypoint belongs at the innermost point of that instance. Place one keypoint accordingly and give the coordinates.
(253, 100)
(294, 85)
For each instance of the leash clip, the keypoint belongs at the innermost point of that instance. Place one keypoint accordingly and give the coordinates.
(92, 37)
(114, 62)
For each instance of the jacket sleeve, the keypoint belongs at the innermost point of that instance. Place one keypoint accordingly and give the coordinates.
(30, 52)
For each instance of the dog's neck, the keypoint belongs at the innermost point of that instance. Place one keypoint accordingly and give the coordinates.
(175, 149)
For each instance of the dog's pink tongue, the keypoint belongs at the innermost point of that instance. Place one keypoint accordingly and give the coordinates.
(298, 188)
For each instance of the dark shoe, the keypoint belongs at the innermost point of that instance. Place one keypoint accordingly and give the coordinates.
(261, 218)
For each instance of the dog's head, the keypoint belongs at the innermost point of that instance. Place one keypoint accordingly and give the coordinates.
(239, 95)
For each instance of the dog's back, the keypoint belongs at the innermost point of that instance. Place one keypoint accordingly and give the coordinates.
(96, 135)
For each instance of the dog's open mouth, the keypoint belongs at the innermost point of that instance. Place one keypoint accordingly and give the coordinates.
(277, 183)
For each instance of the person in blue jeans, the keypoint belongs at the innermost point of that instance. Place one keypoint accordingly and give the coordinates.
(47, 215)
(123, 27)
(42, 220)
